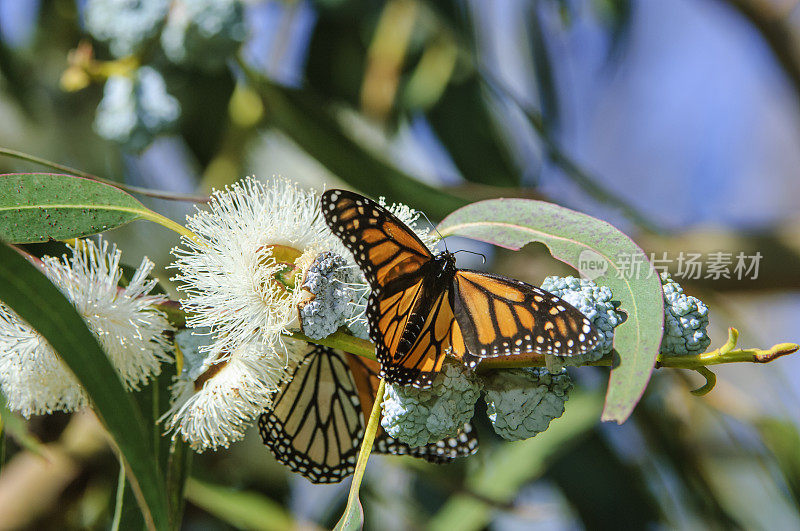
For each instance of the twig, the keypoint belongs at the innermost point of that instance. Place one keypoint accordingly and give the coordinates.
(725, 354)
(158, 194)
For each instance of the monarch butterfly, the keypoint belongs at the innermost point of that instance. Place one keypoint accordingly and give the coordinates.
(317, 420)
(422, 307)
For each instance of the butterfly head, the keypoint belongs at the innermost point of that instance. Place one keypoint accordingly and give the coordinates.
(448, 261)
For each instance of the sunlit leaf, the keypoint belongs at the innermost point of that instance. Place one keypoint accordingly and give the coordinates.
(598, 250)
(34, 298)
(37, 207)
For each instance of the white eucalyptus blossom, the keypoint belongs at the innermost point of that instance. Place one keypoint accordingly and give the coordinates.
(255, 242)
(125, 321)
(217, 396)
(263, 264)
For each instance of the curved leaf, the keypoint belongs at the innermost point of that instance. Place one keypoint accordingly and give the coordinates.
(37, 207)
(599, 251)
(478, 149)
(34, 298)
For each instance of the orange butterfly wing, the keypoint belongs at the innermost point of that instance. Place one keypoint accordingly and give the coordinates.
(412, 332)
(382, 246)
(417, 313)
(410, 315)
(498, 316)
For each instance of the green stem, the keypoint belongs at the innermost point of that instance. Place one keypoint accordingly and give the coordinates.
(168, 223)
(352, 516)
(711, 381)
(80, 173)
(725, 354)
(342, 341)
(120, 498)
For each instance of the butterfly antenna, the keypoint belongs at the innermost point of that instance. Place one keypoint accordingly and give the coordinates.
(441, 238)
(483, 256)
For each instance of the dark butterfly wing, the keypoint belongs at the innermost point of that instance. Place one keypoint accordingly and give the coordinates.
(498, 316)
(383, 247)
(317, 420)
(465, 443)
(316, 425)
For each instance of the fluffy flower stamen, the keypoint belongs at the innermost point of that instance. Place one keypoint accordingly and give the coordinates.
(125, 320)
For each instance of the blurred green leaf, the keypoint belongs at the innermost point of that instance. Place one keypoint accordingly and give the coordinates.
(463, 122)
(245, 510)
(24, 289)
(604, 480)
(37, 207)
(512, 465)
(179, 462)
(574, 238)
(309, 123)
(543, 69)
(15, 426)
(337, 55)
(783, 439)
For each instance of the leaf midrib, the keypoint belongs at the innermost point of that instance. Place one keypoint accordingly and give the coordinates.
(73, 206)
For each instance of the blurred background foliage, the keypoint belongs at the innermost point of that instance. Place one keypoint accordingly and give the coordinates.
(676, 121)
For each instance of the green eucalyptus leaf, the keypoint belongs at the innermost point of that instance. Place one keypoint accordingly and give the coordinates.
(312, 125)
(245, 510)
(478, 149)
(599, 251)
(26, 290)
(37, 207)
(17, 428)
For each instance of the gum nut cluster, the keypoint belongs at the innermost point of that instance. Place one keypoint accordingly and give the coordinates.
(522, 402)
(685, 321)
(135, 109)
(419, 417)
(124, 24)
(593, 301)
(203, 33)
(337, 293)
